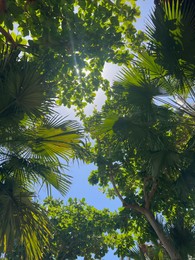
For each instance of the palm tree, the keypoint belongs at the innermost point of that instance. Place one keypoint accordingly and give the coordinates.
(33, 137)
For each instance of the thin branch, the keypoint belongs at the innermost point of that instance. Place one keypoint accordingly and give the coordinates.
(116, 189)
(145, 192)
(10, 39)
(125, 204)
(153, 191)
(8, 36)
(149, 196)
(135, 207)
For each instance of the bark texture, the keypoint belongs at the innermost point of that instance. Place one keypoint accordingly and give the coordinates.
(166, 242)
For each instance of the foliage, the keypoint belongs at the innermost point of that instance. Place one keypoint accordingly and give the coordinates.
(32, 140)
(171, 35)
(71, 40)
(50, 52)
(24, 224)
(80, 230)
(144, 150)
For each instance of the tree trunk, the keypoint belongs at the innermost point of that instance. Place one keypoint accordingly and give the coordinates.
(166, 242)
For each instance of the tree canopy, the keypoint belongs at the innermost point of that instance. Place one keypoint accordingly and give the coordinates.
(144, 149)
(82, 230)
(79, 230)
(50, 52)
(72, 40)
(143, 142)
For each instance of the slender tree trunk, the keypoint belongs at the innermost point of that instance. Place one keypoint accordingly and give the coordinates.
(166, 242)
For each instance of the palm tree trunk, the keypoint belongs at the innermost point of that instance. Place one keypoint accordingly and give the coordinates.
(166, 242)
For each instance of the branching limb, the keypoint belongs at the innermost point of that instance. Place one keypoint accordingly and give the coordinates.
(125, 204)
(148, 196)
(8, 36)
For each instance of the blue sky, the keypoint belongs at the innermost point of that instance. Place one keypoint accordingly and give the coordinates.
(80, 171)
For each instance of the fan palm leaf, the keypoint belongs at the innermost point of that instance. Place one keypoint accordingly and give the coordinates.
(171, 34)
(163, 161)
(44, 139)
(140, 86)
(59, 140)
(34, 171)
(23, 90)
(32, 151)
(24, 223)
(51, 138)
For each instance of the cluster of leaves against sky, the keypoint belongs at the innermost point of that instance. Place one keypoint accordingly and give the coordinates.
(71, 41)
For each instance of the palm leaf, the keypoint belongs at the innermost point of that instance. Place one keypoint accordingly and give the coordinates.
(23, 221)
(171, 32)
(55, 138)
(33, 151)
(33, 171)
(23, 90)
(139, 86)
(148, 61)
(163, 161)
(47, 139)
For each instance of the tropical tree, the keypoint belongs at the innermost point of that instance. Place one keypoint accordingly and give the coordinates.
(32, 140)
(143, 156)
(24, 229)
(80, 230)
(146, 150)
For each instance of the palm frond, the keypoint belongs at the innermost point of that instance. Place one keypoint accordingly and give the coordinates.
(58, 180)
(47, 138)
(135, 83)
(24, 223)
(56, 138)
(148, 62)
(171, 33)
(23, 90)
(163, 161)
(33, 171)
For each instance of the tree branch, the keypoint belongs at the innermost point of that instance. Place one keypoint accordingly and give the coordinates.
(8, 36)
(116, 189)
(149, 196)
(125, 204)
(10, 39)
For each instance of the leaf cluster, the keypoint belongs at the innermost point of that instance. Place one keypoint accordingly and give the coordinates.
(72, 40)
